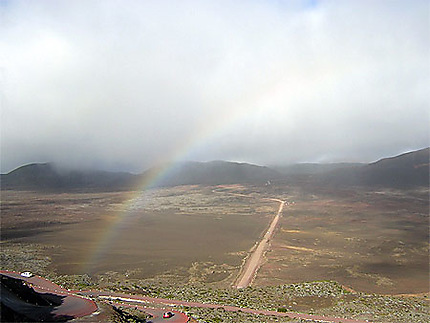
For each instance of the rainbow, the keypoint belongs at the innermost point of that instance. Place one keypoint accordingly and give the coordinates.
(201, 138)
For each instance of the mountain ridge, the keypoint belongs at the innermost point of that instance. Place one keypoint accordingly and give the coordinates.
(405, 170)
(46, 176)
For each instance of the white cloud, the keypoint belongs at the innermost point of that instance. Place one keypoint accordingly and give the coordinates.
(124, 84)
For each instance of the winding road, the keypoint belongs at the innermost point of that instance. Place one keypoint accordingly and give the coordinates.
(72, 305)
(80, 303)
(173, 303)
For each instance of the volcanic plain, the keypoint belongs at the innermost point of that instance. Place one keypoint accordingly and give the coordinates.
(193, 238)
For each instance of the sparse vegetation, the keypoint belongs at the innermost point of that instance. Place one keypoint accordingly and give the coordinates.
(127, 315)
(204, 315)
(323, 235)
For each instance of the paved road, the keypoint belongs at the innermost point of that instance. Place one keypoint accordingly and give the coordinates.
(78, 306)
(254, 261)
(72, 304)
(172, 303)
(157, 313)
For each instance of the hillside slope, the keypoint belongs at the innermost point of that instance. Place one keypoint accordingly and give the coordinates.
(405, 170)
(313, 168)
(48, 177)
(214, 172)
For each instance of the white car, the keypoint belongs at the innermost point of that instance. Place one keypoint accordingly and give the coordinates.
(26, 274)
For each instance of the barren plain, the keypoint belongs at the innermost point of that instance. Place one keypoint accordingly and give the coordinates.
(332, 248)
(188, 232)
(374, 240)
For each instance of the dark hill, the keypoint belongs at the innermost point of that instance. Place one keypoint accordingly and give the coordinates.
(312, 168)
(48, 177)
(20, 303)
(406, 170)
(214, 172)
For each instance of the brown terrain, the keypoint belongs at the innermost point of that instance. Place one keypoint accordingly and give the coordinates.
(331, 250)
(373, 241)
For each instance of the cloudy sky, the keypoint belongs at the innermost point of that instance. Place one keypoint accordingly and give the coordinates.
(123, 85)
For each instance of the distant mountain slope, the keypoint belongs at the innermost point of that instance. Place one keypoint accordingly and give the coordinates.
(47, 177)
(312, 168)
(214, 172)
(406, 170)
(410, 169)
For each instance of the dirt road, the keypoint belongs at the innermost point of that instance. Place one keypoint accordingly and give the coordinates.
(253, 263)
